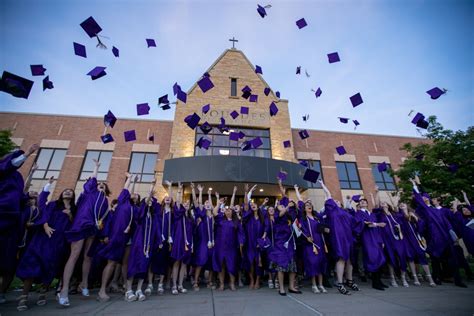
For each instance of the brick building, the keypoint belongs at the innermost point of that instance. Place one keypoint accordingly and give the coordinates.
(68, 144)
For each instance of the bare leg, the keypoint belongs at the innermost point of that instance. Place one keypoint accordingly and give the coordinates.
(175, 272)
(257, 282)
(27, 283)
(182, 272)
(116, 277)
(340, 265)
(252, 281)
(291, 284)
(106, 274)
(281, 279)
(86, 264)
(76, 248)
(313, 281)
(221, 278)
(232, 282)
(320, 280)
(129, 284)
(197, 272)
(348, 269)
(126, 255)
(140, 284)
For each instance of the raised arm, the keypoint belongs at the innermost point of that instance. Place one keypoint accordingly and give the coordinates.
(96, 168)
(170, 188)
(232, 200)
(249, 196)
(298, 195)
(209, 197)
(27, 185)
(151, 191)
(246, 197)
(127, 181)
(282, 189)
(200, 188)
(193, 193)
(466, 200)
(377, 197)
(327, 194)
(179, 194)
(219, 203)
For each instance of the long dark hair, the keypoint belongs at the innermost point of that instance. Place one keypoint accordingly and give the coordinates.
(60, 202)
(138, 200)
(261, 219)
(313, 212)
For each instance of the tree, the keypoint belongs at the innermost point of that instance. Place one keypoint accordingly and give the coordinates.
(445, 165)
(6, 144)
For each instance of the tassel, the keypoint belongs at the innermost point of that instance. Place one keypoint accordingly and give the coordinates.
(186, 248)
(100, 224)
(315, 250)
(209, 244)
(127, 230)
(285, 245)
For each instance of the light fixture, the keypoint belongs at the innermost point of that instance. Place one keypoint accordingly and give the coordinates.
(261, 190)
(210, 189)
(224, 152)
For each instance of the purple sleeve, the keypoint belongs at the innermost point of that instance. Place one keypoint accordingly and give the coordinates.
(240, 234)
(330, 205)
(42, 200)
(246, 214)
(90, 185)
(6, 165)
(359, 223)
(124, 196)
(178, 212)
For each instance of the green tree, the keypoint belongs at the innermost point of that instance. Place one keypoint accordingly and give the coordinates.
(6, 144)
(445, 164)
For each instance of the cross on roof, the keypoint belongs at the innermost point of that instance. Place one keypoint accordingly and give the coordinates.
(233, 40)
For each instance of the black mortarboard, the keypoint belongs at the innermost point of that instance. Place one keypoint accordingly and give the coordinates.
(311, 175)
(107, 138)
(356, 100)
(79, 50)
(130, 135)
(143, 109)
(115, 51)
(205, 84)
(273, 109)
(150, 42)
(253, 98)
(163, 99)
(91, 27)
(341, 150)
(244, 110)
(47, 84)
(301, 23)
(206, 108)
(15, 85)
(436, 92)
(343, 120)
(303, 134)
(318, 93)
(266, 91)
(192, 120)
(234, 114)
(37, 70)
(203, 142)
(298, 70)
(287, 144)
(206, 128)
(182, 96)
(258, 69)
(110, 119)
(333, 57)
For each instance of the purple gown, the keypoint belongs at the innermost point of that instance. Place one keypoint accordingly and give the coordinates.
(92, 205)
(203, 239)
(394, 240)
(253, 229)
(182, 247)
(32, 215)
(161, 259)
(459, 222)
(45, 257)
(229, 237)
(144, 240)
(372, 243)
(341, 224)
(314, 263)
(269, 228)
(124, 216)
(412, 233)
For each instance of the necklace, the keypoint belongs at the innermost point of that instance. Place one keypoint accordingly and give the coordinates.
(419, 239)
(34, 213)
(127, 230)
(396, 234)
(147, 236)
(315, 250)
(210, 242)
(99, 221)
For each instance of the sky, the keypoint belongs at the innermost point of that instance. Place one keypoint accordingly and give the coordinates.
(391, 52)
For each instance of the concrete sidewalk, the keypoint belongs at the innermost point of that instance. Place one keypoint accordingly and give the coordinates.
(443, 300)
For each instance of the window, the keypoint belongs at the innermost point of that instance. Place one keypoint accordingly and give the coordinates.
(104, 157)
(221, 145)
(233, 87)
(49, 161)
(383, 179)
(143, 165)
(348, 175)
(316, 166)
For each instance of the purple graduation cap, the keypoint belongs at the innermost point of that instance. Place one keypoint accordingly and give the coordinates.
(301, 23)
(247, 145)
(356, 198)
(91, 27)
(151, 138)
(182, 96)
(341, 150)
(115, 51)
(303, 134)
(165, 106)
(206, 74)
(318, 93)
(277, 94)
(203, 143)
(305, 117)
(192, 120)
(241, 134)
(418, 117)
(261, 11)
(234, 136)
(356, 100)
(381, 167)
(97, 72)
(282, 175)
(266, 91)
(130, 135)
(422, 124)
(15, 85)
(107, 138)
(234, 114)
(205, 84)
(436, 92)
(333, 57)
(37, 70)
(206, 108)
(304, 163)
(143, 109)
(244, 110)
(356, 123)
(246, 92)
(221, 127)
(311, 175)
(273, 109)
(110, 119)
(298, 70)
(258, 70)
(150, 42)
(263, 243)
(253, 98)
(47, 84)
(286, 144)
(343, 120)
(205, 128)
(176, 88)
(453, 167)
(163, 100)
(79, 50)
(257, 142)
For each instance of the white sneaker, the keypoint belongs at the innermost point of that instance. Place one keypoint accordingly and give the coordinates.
(315, 289)
(182, 289)
(393, 283)
(270, 284)
(130, 296)
(160, 289)
(405, 283)
(85, 292)
(174, 291)
(149, 289)
(140, 295)
(63, 301)
(322, 289)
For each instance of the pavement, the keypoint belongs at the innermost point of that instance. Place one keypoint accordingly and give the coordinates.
(442, 300)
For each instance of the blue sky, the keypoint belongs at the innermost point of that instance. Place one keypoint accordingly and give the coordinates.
(391, 52)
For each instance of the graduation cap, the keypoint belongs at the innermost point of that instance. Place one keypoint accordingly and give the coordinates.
(115, 51)
(422, 124)
(453, 167)
(176, 88)
(436, 92)
(205, 128)
(163, 100)
(247, 145)
(205, 84)
(298, 70)
(261, 10)
(343, 120)
(47, 84)
(263, 243)
(246, 94)
(110, 119)
(418, 117)
(97, 72)
(253, 98)
(150, 42)
(258, 70)
(333, 57)
(286, 144)
(341, 150)
(79, 50)
(303, 134)
(273, 109)
(234, 114)
(257, 142)
(15, 85)
(151, 138)
(206, 108)
(381, 167)
(221, 127)
(301, 23)
(107, 138)
(244, 110)
(356, 198)
(92, 29)
(356, 123)
(241, 134)
(266, 91)
(318, 93)
(356, 100)
(282, 175)
(143, 109)
(304, 163)
(203, 143)
(277, 94)
(130, 135)
(234, 136)
(166, 106)
(192, 120)
(206, 74)
(182, 96)
(311, 175)
(305, 117)
(37, 70)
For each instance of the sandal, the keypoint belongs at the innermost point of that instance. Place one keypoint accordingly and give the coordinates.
(322, 289)
(342, 289)
(196, 287)
(182, 290)
(352, 285)
(140, 295)
(270, 284)
(22, 303)
(63, 301)
(315, 289)
(130, 296)
(160, 289)
(174, 291)
(41, 299)
(84, 291)
(149, 289)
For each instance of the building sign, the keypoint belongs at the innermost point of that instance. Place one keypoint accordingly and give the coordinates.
(251, 119)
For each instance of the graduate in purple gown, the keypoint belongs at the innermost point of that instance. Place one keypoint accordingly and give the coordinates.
(203, 237)
(466, 214)
(441, 236)
(254, 228)
(314, 247)
(48, 250)
(369, 229)
(230, 239)
(145, 239)
(92, 208)
(119, 233)
(11, 197)
(30, 214)
(341, 225)
(459, 216)
(182, 248)
(269, 234)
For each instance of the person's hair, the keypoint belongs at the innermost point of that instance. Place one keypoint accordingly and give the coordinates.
(138, 200)
(363, 199)
(107, 190)
(114, 201)
(171, 202)
(261, 218)
(60, 202)
(313, 211)
(390, 207)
